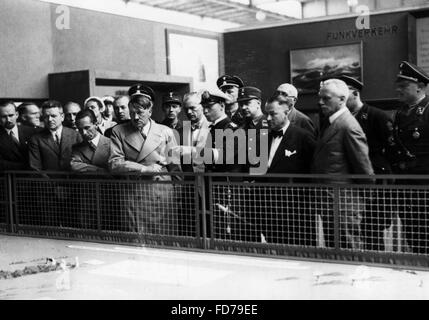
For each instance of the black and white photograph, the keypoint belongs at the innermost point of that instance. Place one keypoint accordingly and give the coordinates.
(209, 157)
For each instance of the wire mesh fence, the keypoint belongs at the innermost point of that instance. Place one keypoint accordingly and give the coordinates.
(281, 217)
(3, 205)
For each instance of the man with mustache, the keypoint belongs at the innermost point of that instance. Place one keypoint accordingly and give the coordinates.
(142, 146)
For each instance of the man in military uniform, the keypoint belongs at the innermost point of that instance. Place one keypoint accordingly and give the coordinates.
(377, 127)
(250, 100)
(226, 211)
(411, 144)
(375, 123)
(230, 86)
(296, 117)
(256, 129)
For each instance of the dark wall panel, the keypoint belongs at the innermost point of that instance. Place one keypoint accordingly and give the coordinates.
(261, 57)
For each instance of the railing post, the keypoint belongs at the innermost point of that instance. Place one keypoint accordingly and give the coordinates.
(337, 217)
(10, 201)
(200, 183)
(97, 193)
(211, 211)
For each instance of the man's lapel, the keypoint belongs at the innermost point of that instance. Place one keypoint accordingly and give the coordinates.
(280, 152)
(102, 150)
(48, 140)
(135, 140)
(7, 142)
(153, 140)
(87, 152)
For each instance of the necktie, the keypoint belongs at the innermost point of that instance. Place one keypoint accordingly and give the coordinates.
(195, 126)
(143, 135)
(92, 146)
(57, 139)
(276, 134)
(14, 138)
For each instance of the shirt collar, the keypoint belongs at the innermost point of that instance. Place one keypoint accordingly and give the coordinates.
(96, 140)
(59, 132)
(146, 128)
(14, 129)
(219, 120)
(255, 121)
(337, 114)
(418, 101)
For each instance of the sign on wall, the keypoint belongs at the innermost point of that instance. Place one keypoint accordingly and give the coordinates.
(193, 56)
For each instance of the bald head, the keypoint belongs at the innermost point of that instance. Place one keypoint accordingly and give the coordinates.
(121, 109)
(71, 109)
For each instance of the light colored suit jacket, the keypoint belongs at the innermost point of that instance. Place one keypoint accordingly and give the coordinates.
(85, 159)
(342, 149)
(199, 143)
(130, 152)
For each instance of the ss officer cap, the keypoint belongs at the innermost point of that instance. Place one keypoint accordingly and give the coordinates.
(352, 82)
(409, 71)
(249, 93)
(142, 90)
(228, 81)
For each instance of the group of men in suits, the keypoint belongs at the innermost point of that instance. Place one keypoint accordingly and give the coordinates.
(354, 138)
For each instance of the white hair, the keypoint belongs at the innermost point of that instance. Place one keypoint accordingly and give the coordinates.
(337, 86)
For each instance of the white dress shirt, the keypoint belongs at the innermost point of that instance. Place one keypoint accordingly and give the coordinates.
(96, 140)
(58, 133)
(15, 132)
(275, 144)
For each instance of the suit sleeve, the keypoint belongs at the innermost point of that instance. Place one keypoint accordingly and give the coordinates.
(357, 152)
(173, 159)
(309, 148)
(35, 158)
(78, 165)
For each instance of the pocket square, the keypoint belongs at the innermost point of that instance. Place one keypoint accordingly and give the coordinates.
(289, 153)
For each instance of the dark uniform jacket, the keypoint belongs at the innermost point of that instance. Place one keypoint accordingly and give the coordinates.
(12, 155)
(238, 117)
(46, 155)
(257, 133)
(226, 156)
(411, 139)
(377, 126)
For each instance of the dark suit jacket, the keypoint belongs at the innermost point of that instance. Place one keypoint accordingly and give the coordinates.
(85, 159)
(12, 156)
(295, 152)
(299, 119)
(45, 155)
(377, 126)
(342, 149)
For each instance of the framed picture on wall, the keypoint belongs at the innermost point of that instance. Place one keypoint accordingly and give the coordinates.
(310, 66)
(195, 56)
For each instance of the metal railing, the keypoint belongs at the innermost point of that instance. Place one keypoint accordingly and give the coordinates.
(381, 219)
